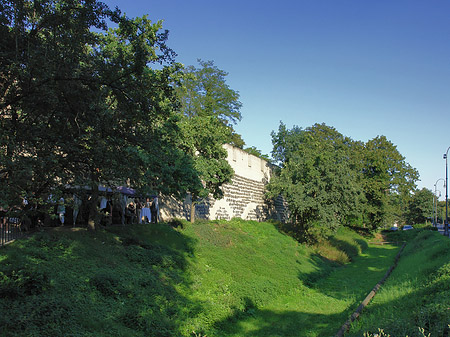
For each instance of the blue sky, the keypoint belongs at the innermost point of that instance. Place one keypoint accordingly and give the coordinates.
(367, 68)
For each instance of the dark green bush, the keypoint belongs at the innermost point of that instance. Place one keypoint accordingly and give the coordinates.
(23, 282)
(107, 283)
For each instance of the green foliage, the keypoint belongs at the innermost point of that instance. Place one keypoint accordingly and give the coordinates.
(204, 92)
(150, 280)
(316, 178)
(219, 278)
(420, 208)
(208, 109)
(21, 283)
(103, 284)
(440, 211)
(254, 151)
(236, 140)
(329, 180)
(81, 104)
(387, 182)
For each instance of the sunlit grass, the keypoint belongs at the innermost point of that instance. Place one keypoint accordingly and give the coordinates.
(220, 278)
(275, 286)
(409, 300)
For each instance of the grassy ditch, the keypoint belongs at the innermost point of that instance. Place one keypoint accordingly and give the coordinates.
(236, 278)
(415, 301)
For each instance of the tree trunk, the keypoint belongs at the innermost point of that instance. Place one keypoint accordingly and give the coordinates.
(192, 211)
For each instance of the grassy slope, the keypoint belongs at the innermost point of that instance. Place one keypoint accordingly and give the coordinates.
(417, 295)
(222, 278)
(260, 278)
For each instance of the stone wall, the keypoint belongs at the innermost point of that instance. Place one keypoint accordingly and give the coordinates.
(243, 197)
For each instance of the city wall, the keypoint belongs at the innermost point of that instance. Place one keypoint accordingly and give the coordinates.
(243, 197)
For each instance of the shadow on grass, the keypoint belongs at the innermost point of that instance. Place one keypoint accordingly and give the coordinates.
(403, 316)
(119, 282)
(324, 268)
(352, 250)
(260, 322)
(355, 280)
(416, 294)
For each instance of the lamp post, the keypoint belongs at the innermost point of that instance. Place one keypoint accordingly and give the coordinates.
(446, 193)
(436, 199)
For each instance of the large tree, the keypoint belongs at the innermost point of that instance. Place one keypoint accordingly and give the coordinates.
(81, 105)
(209, 109)
(315, 177)
(387, 181)
(420, 208)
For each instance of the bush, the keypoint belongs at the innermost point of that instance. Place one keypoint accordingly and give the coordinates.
(24, 282)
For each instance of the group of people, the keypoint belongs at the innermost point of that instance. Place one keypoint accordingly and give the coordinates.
(74, 209)
(146, 211)
(129, 209)
(61, 209)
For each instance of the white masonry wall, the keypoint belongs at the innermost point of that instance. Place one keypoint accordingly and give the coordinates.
(243, 198)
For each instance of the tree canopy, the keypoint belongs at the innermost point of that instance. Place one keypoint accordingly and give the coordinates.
(315, 177)
(329, 180)
(420, 208)
(256, 152)
(209, 108)
(204, 92)
(387, 181)
(81, 104)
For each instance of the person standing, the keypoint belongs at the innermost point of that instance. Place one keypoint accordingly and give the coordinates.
(123, 200)
(154, 208)
(76, 208)
(103, 204)
(61, 210)
(145, 213)
(138, 209)
(131, 213)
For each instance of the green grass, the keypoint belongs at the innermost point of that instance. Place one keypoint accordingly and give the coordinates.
(236, 278)
(321, 308)
(417, 295)
(80, 284)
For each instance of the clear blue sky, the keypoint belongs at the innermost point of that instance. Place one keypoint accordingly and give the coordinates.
(367, 68)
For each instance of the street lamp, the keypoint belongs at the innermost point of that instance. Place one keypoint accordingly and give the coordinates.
(446, 193)
(436, 199)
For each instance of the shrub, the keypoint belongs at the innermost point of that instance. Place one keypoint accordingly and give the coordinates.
(24, 282)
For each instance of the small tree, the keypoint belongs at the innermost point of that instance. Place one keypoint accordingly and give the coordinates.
(254, 151)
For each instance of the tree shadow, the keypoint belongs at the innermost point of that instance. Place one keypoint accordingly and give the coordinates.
(323, 268)
(116, 282)
(353, 280)
(252, 321)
